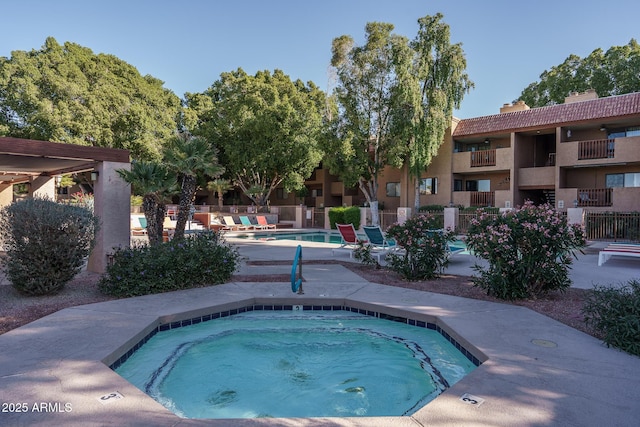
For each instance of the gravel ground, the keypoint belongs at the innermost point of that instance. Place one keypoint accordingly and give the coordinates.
(17, 310)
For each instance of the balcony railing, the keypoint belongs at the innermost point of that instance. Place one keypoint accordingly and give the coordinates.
(596, 149)
(483, 158)
(483, 198)
(595, 197)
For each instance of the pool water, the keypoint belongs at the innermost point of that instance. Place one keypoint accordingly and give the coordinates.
(295, 364)
(319, 237)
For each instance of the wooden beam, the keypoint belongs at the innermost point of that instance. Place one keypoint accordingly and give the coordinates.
(30, 147)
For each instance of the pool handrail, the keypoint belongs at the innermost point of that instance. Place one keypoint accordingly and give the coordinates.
(296, 282)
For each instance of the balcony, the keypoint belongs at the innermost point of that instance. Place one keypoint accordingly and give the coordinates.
(483, 160)
(543, 177)
(594, 197)
(598, 152)
(596, 149)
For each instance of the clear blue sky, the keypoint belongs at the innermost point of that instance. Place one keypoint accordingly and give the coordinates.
(188, 43)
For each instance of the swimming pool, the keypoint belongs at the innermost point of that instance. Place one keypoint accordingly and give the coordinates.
(295, 364)
(311, 236)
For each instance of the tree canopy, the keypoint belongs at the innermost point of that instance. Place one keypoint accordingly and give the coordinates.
(66, 93)
(434, 83)
(614, 72)
(267, 128)
(367, 93)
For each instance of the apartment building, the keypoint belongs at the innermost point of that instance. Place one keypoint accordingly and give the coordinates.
(585, 153)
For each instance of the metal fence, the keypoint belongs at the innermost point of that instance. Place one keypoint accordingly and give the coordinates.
(613, 226)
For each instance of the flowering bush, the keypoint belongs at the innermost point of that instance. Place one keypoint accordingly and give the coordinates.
(425, 247)
(529, 251)
(203, 259)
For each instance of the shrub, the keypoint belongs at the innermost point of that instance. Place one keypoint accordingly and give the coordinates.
(46, 243)
(425, 248)
(614, 314)
(200, 260)
(350, 215)
(529, 251)
(363, 253)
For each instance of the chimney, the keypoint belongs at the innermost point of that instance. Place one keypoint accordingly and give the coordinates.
(578, 97)
(518, 106)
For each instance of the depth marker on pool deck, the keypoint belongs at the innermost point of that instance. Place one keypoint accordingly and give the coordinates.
(470, 399)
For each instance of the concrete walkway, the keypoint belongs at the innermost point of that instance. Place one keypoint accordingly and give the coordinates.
(536, 371)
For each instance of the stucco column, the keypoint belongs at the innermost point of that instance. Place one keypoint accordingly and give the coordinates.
(43, 187)
(112, 200)
(451, 217)
(6, 195)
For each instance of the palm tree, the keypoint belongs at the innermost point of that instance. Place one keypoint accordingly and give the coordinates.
(192, 159)
(154, 183)
(219, 186)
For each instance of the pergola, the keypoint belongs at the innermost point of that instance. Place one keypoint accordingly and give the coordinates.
(39, 162)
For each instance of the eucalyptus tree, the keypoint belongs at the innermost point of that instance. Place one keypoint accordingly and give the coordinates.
(193, 160)
(152, 181)
(367, 94)
(433, 83)
(268, 129)
(614, 72)
(66, 93)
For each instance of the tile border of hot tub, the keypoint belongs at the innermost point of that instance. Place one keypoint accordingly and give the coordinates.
(412, 318)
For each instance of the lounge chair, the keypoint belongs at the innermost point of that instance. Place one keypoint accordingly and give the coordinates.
(141, 229)
(618, 249)
(248, 224)
(377, 239)
(230, 224)
(349, 240)
(262, 220)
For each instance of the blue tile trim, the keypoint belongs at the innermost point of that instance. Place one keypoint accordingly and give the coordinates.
(281, 307)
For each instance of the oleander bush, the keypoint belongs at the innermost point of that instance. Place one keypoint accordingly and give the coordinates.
(529, 251)
(424, 247)
(613, 313)
(46, 243)
(199, 260)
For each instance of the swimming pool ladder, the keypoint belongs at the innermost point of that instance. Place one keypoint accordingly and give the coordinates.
(296, 281)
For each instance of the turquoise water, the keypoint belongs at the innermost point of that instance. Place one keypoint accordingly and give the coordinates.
(295, 364)
(306, 237)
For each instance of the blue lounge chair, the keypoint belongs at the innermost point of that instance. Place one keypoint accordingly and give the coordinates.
(377, 239)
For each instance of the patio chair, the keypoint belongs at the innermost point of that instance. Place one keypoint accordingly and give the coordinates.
(262, 220)
(350, 240)
(377, 239)
(230, 224)
(248, 224)
(142, 229)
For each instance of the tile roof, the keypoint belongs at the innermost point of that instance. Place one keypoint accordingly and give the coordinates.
(553, 115)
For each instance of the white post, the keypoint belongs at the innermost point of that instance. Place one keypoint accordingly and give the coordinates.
(451, 218)
(403, 215)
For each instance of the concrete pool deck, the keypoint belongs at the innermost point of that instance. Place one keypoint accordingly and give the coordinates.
(538, 372)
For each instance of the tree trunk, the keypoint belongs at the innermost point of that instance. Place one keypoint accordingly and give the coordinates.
(416, 199)
(375, 214)
(154, 222)
(184, 207)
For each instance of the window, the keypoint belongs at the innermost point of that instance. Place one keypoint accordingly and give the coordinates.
(393, 189)
(457, 185)
(478, 185)
(615, 180)
(625, 132)
(428, 186)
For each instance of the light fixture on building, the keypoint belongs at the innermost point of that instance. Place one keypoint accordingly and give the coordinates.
(94, 176)
(486, 141)
(603, 128)
(568, 133)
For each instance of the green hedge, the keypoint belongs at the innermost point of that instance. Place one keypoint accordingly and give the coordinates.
(199, 260)
(349, 215)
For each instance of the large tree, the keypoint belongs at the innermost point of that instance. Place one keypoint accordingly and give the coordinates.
(367, 94)
(267, 127)
(614, 72)
(66, 93)
(433, 80)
